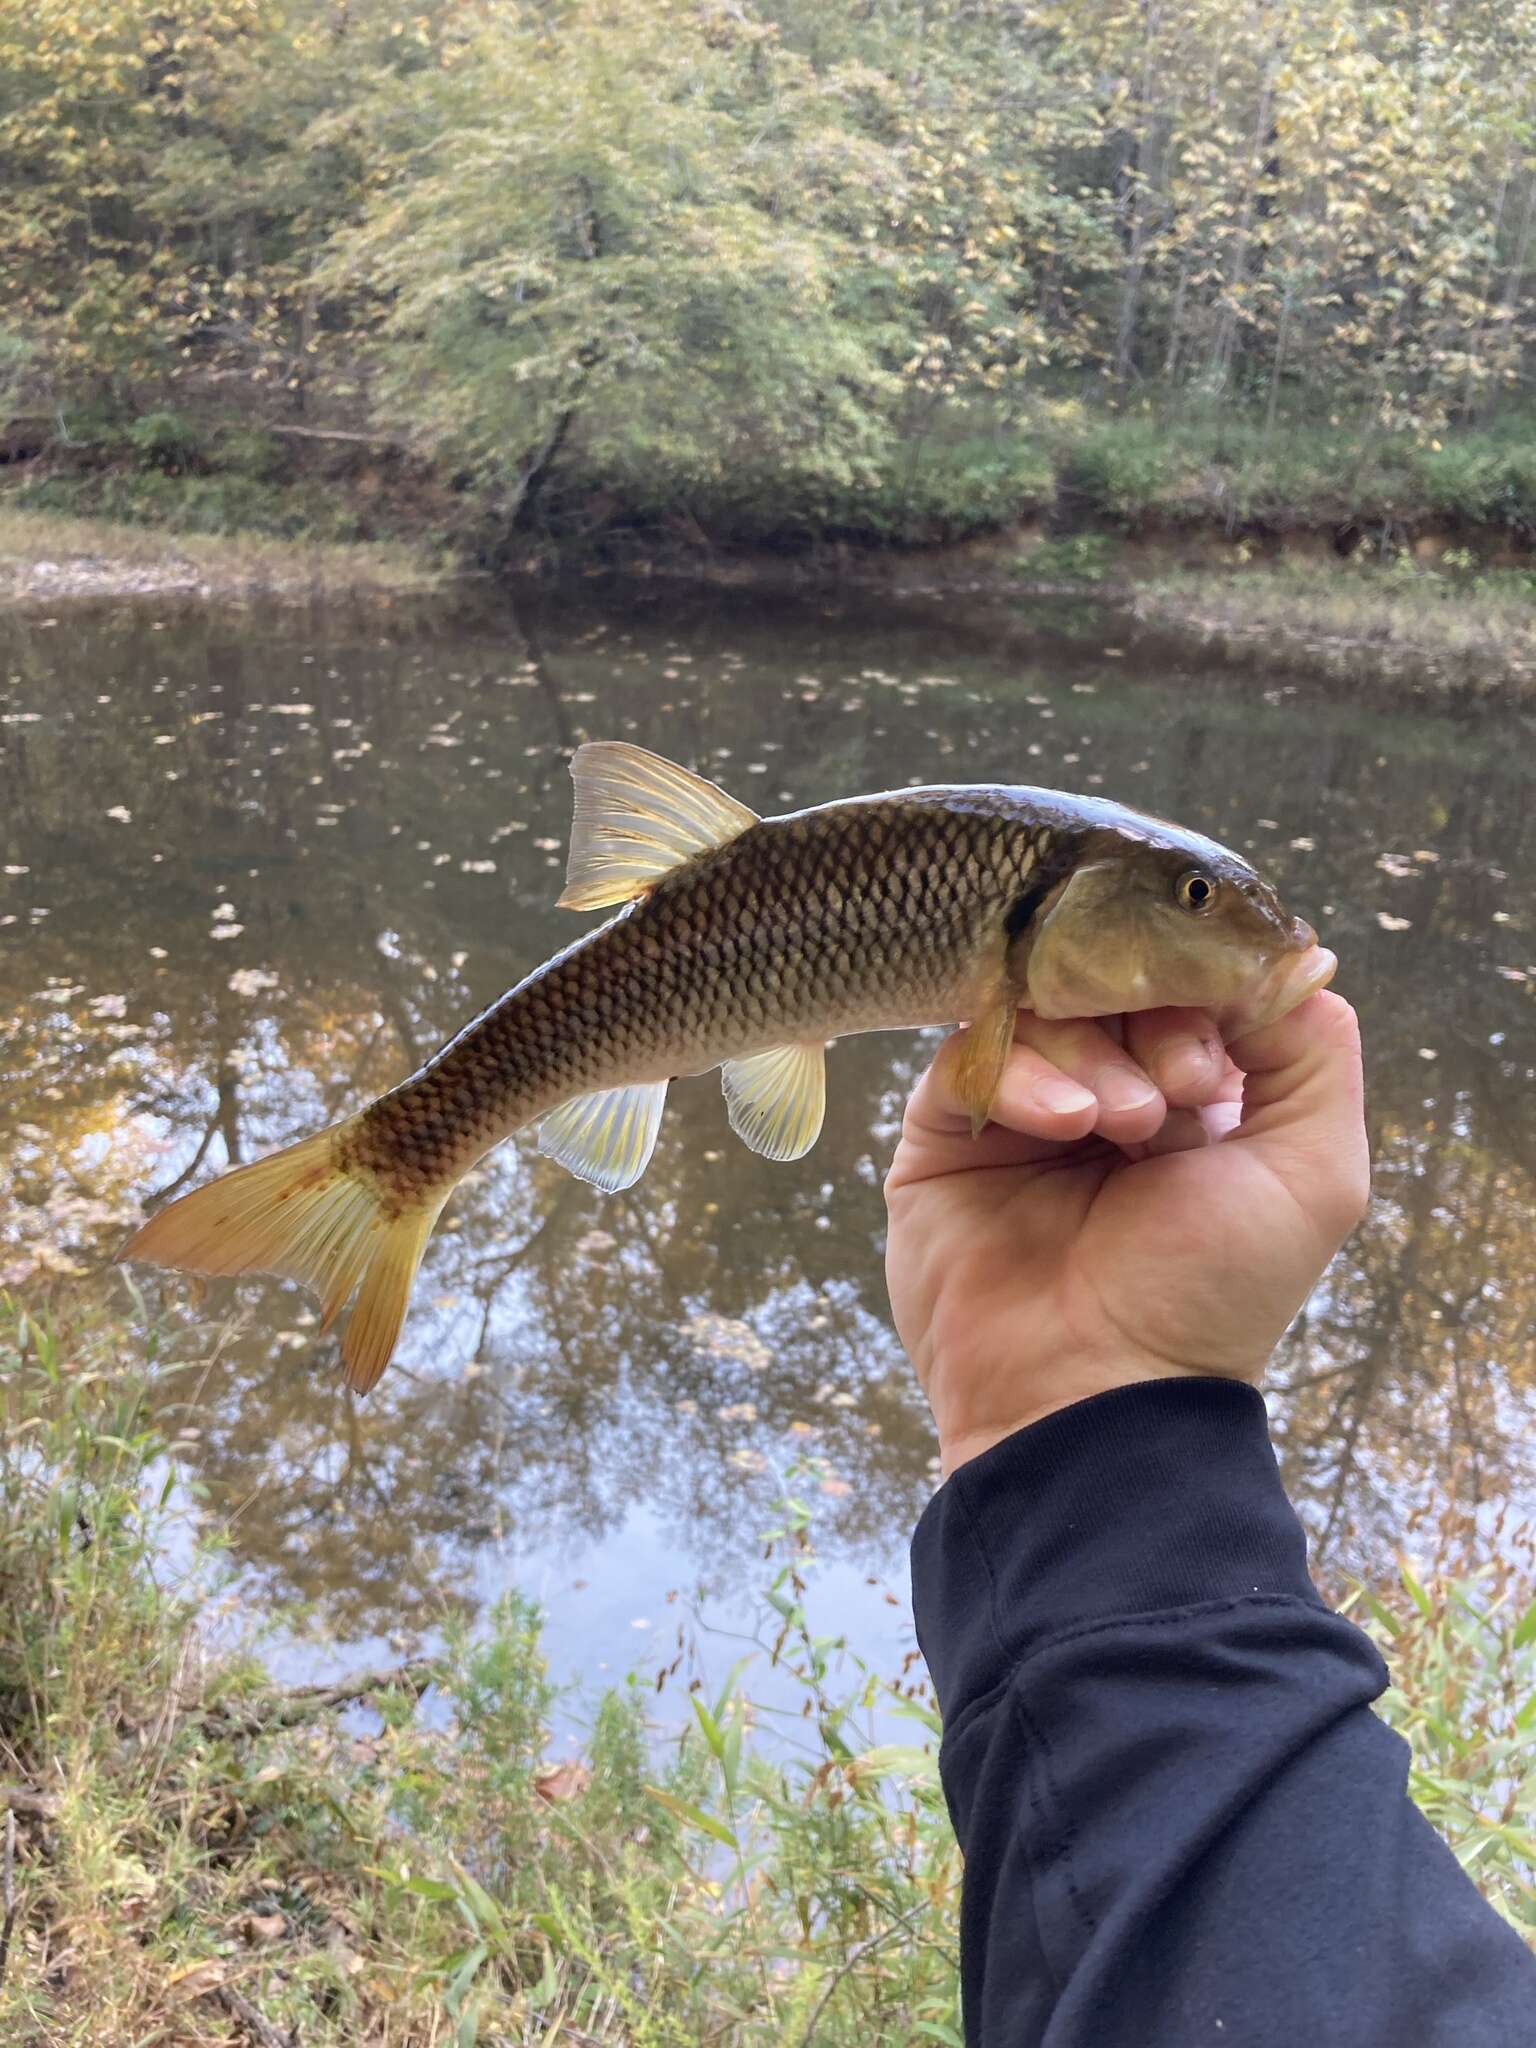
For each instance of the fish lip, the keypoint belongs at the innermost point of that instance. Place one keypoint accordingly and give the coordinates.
(1287, 985)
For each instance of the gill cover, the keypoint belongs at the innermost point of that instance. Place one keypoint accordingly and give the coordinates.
(1088, 949)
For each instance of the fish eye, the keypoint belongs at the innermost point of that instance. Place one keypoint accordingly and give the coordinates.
(1196, 891)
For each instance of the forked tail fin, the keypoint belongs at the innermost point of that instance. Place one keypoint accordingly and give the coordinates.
(301, 1214)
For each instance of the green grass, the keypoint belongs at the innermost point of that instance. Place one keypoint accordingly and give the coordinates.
(755, 1879)
(1186, 468)
(178, 503)
(1148, 468)
(1141, 470)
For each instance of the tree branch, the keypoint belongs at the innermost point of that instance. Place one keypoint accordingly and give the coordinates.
(20, 1799)
(390, 441)
(296, 1704)
(260, 2028)
(7, 1892)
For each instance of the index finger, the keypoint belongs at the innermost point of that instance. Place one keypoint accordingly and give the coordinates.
(1037, 1110)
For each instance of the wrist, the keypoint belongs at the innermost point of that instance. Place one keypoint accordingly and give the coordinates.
(968, 1425)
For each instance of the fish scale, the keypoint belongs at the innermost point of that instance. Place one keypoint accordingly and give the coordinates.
(749, 944)
(771, 907)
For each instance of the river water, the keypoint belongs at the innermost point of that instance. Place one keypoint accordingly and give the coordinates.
(258, 864)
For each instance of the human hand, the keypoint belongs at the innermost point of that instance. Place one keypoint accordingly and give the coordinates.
(1135, 1211)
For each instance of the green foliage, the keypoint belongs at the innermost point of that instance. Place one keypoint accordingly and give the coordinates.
(1462, 1651)
(76, 1588)
(1120, 470)
(168, 440)
(1484, 479)
(1074, 558)
(758, 1877)
(635, 220)
(777, 271)
(196, 504)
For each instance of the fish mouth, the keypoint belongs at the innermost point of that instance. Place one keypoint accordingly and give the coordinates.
(1287, 985)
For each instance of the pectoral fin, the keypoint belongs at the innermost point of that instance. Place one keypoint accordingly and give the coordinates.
(607, 1138)
(776, 1100)
(977, 1060)
(637, 817)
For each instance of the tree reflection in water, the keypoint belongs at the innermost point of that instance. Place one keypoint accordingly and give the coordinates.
(258, 865)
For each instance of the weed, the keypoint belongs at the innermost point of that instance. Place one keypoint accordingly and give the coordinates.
(193, 1836)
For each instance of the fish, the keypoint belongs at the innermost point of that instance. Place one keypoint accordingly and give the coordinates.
(751, 944)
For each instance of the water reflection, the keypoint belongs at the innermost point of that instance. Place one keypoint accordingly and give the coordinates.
(256, 866)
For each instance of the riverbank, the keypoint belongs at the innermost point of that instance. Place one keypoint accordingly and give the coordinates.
(49, 557)
(1440, 616)
(1465, 632)
(403, 1857)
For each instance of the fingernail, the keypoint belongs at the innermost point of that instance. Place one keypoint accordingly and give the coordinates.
(1061, 1096)
(1191, 1065)
(1124, 1088)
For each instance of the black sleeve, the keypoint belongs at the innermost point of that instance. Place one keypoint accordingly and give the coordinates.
(1182, 1823)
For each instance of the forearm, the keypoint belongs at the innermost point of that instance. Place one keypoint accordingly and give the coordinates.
(1181, 1820)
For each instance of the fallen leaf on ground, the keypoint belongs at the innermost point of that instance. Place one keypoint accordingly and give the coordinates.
(565, 1781)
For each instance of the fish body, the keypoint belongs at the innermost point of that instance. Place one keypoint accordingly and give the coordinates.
(750, 944)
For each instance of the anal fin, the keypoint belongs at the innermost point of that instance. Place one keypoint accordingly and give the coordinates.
(976, 1062)
(606, 1138)
(777, 1099)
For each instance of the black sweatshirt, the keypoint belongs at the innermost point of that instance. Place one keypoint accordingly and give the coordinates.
(1183, 1824)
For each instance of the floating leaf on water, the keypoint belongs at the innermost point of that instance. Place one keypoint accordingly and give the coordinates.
(747, 1461)
(121, 813)
(1303, 844)
(226, 931)
(1389, 923)
(1394, 864)
(250, 981)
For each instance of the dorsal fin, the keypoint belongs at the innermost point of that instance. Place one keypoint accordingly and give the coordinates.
(637, 817)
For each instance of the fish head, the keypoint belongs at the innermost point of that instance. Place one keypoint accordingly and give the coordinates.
(1151, 915)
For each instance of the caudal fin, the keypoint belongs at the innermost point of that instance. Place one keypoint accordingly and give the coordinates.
(302, 1215)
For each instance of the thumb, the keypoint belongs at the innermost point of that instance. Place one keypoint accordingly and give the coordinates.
(1304, 1110)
